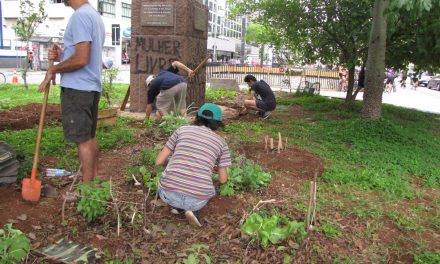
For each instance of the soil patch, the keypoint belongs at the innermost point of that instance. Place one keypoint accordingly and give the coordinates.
(28, 116)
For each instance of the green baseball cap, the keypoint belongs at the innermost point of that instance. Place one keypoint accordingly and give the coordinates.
(214, 109)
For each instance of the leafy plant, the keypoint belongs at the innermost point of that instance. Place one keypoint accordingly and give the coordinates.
(214, 95)
(151, 180)
(244, 175)
(272, 229)
(427, 257)
(195, 253)
(14, 245)
(93, 199)
(108, 76)
(172, 123)
(330, 230)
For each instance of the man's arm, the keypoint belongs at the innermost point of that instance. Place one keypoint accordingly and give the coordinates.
(181, 66)
(163, 156)
(251, 95)
(222, 175)
(79, 59)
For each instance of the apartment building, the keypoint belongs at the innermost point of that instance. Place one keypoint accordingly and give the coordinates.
(116, 15)
(224, 41)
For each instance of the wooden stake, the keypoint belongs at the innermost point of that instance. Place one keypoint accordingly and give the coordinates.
(285, 145)
(309, 209)
(280, 143)
(271, 144)
(266, 138)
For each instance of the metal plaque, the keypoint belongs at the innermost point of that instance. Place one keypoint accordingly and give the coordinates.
(200, 19)
(157, 14)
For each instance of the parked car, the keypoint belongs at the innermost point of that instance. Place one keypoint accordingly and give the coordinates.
(434, 83)
(423, 81)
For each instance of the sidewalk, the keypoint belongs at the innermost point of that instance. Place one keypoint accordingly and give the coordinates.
(422, 99)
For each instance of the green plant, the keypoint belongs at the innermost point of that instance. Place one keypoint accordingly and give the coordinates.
(272, 229)
(195, 253)
(427, 257)
(14, 245)
(108, 76)
(151, 180)
(244, 175)
(172, 123)
(94, 198)
(214, 95)
(330, 230)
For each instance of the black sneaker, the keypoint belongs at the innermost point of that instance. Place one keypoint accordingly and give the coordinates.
(193, 217)
(177, 211)
(266, 114)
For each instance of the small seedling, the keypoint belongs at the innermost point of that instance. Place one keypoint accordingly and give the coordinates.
(244, 175)
(195, 253)
(93, 201)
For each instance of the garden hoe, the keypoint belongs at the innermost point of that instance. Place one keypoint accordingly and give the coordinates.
(31, 188)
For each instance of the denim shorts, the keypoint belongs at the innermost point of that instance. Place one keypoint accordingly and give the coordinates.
(182, 201)
(79, 111)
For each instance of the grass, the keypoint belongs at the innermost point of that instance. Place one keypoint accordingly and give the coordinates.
(53, 144)
(14, 95)
(378, 156)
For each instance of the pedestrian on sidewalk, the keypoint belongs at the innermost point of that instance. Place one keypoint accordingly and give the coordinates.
(30, 59)
(81, 75)
(261, 97)
(195, 150)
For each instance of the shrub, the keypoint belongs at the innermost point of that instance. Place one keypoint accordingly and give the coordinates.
(14, 245)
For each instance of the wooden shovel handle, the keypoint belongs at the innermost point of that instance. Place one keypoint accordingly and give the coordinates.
(40, 128)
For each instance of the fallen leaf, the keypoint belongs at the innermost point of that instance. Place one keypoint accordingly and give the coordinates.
(36, 227)
(101, 237)
(12, 221)
(22, 217)
(181, 255)
(36, 245)
(32, 236)
(158, 203)
(293, 244)
(50, 226)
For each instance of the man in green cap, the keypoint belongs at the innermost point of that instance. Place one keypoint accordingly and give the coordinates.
(195, 150)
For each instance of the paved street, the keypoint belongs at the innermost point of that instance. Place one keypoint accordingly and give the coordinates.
(421, 99)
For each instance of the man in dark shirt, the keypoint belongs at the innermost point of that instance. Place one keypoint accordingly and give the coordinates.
(168, 88)
(261, 97)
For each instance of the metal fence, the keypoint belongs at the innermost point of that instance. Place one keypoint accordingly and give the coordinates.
(277, 78)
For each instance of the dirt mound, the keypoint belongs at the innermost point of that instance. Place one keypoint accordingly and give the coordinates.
(28, 116)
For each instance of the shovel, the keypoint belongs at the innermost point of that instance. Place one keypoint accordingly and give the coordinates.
(31, 188)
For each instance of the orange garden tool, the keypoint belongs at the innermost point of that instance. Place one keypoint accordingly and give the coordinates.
(31, 188)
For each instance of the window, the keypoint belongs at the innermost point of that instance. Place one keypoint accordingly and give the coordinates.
(56, 1)
(107, 7)
(126, 10)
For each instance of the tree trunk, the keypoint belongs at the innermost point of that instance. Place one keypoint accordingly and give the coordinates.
(261, 55)
(374, 73)
(349, 98)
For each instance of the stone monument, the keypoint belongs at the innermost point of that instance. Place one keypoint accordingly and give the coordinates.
(164, 31)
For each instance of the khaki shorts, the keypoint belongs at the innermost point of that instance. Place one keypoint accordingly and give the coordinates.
(79, 112)
(176, 95)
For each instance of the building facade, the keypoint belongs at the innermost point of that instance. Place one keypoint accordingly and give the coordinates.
(224, 34)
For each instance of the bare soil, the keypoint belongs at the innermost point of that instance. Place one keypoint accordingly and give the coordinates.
(154, 235)
(28, 116)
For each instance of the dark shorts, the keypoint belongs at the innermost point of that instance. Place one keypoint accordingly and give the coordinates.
(79, 111)
(264, 105)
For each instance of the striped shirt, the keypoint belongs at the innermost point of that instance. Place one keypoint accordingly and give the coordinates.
(197, 149)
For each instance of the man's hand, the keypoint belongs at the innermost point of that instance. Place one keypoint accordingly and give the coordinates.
(191, 73)
(54, 53)
(50, 76)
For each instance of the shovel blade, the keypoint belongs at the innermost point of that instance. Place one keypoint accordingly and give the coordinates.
(31, 190)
